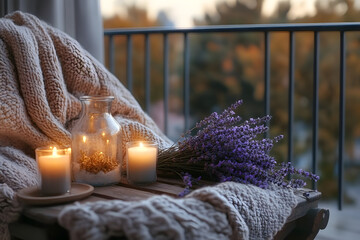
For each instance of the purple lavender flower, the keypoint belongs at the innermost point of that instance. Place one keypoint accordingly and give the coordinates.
(188, 181)
(226, 149)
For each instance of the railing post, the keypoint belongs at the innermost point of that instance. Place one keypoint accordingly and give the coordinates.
(111, 54)
(315, 120)
(291, 94)
(341, 118)
(166, 82)
(129, 63)
(186, 82)
(147, 73)
(267, 77)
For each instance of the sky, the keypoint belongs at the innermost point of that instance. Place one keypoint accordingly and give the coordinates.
(182, 12)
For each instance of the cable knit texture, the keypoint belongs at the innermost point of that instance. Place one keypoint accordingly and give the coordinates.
(225, 211)
(43, 72)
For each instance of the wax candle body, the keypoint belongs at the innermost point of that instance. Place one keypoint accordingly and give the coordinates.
(141, 165)
(55, 173)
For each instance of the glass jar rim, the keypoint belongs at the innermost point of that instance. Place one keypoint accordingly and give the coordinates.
(97, 98)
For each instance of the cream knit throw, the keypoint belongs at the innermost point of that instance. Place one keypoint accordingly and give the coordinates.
(226, 211)
(43, 72)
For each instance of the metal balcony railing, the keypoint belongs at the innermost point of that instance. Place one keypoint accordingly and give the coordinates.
(266, 29)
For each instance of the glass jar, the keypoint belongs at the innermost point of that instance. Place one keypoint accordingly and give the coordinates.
(96, 143)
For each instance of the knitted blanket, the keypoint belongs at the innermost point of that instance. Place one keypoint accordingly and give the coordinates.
(226, 211)
(43, 72)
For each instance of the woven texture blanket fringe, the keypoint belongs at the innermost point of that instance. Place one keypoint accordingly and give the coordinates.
(43, 74)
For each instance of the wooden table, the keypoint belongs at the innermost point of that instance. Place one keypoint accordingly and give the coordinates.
(40, 222)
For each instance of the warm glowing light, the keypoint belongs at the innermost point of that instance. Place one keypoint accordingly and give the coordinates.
(84, 139)
(107, 141)
(54, 168)
(141, 162)
(103, 134)
(54, 152)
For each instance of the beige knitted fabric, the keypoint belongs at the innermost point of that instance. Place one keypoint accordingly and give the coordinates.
(227, 211)
(43, 72)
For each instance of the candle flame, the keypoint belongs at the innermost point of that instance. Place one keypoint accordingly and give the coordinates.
(84, 139)
(103, 134)
(54, 152)
(141, 144)
(107, 141)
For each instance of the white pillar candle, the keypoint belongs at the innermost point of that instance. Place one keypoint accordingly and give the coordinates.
(54, 167)
(141, 162)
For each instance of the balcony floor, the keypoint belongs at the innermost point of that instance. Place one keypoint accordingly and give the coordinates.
(343, 224)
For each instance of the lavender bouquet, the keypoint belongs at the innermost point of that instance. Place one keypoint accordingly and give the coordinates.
(224, 148)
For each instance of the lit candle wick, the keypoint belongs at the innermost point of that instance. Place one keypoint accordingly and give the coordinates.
(84, 139)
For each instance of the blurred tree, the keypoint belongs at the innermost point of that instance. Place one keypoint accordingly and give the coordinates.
(226, 66)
